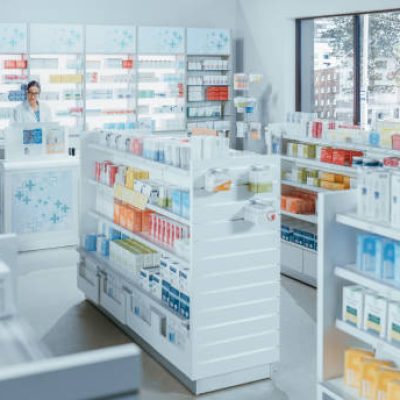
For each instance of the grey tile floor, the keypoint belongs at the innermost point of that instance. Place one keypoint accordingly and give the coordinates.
(65, 323)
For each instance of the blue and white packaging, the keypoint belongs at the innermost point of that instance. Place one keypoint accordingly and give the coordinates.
(176, 202)
(185, 204)
(174, 286)
(369, 254)
(165, 281)
(156, 285)
(390, 260)
(90, 242)
(184, 293)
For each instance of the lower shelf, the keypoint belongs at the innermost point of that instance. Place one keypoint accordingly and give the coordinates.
(374, 341)
(337, 390)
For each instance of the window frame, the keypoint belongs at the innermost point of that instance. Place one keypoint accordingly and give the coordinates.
(356, 57)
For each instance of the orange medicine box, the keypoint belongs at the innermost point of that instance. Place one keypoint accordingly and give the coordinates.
(117, 212)
(123, 216)
(353, 359)
(146, 221)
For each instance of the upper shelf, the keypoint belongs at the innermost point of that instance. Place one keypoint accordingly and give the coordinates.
(343, 145)
(379, 228)
(322, 165)
(352, 274)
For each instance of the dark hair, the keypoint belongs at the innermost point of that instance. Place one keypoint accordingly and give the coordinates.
(33, 84)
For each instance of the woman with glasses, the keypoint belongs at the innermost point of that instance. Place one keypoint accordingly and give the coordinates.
(31, 110)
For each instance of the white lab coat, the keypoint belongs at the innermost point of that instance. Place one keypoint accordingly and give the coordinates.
(24, 113)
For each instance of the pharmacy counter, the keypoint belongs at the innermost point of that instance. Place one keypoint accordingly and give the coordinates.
(39, 202)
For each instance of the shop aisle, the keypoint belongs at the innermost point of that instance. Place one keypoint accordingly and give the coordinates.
(52, 304)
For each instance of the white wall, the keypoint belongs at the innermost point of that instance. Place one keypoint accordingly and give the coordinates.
(268, 30)
(201, 13)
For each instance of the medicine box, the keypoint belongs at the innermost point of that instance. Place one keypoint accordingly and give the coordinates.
(375, 314)
(353, 305)
(393, 333)
(369, 254)
(174, 286)
(390, 260)
(184, 296)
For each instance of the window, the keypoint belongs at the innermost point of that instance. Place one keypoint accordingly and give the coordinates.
(359, 55)
(380, 66)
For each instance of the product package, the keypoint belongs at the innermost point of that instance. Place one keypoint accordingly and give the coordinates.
(353, 365)
(369, 375)
(353, 305)
(393, 333)
(375, 314)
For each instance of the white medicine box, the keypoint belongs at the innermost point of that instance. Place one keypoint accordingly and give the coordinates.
(353, 305)
(375, 314)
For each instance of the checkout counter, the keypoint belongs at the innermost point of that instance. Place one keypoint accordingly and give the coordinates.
(39, 184)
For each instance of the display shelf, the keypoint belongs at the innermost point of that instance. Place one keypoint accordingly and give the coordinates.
(12, 78)
(352, 274)
(344, 145)
(140, 238)
(103, 261)
(378, 228)
(213, 352)
(124, 157)
(110, 84)
(153, 207)
(159, 89)
(299, 247)
(337, 390)
(64, 74)
(312, 218)
(322, 165)
(303, 186)
(374, 341)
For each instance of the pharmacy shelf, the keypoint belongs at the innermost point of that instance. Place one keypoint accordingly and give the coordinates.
(304, 186)
(105, 262)
(375, 227)
(153, 207)
(374, 341)
(344, 145)
(321, 165)
(312, 218)
(140, 238)
(298, 246)
(337, 390)
(352, 274)
(208, 70)
(143, 162)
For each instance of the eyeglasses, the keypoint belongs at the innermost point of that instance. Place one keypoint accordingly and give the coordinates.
(33, 93)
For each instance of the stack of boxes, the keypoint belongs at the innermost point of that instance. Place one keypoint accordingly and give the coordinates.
(375, 379)
(214, 93)
(175, 286)
(298, 202)
(300, 233)
(378, 195)
(371, 312)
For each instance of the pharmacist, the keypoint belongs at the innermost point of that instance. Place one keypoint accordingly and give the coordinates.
(31, 110)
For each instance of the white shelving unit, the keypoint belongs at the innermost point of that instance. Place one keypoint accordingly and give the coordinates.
(232, 336)
(338, 227)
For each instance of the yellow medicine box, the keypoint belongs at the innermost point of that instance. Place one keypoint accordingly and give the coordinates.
(393, 390)
(385, 375)
(352, 365)
(369, 375)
